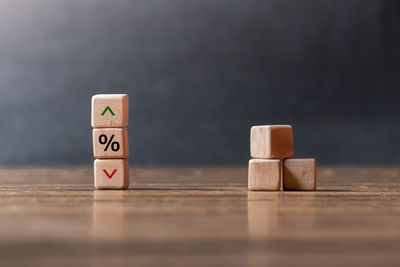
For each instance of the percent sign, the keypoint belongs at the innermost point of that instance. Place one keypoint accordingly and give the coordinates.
(104, 140)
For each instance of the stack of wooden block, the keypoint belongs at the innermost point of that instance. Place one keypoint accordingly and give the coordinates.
(110, 114)
(271, 147)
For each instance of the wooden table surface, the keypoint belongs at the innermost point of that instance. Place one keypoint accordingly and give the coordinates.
(198, 217)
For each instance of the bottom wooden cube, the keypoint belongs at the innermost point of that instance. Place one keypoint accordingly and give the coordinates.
(111, 173)
(299, 174)
(265, 174)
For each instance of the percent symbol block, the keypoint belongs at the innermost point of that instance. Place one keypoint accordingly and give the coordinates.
(110, 143)
(110, 110)
(111, 173)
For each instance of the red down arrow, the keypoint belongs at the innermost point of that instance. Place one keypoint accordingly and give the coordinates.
(112, 174)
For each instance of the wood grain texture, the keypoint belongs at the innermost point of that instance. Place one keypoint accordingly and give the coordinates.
(271, 141)
(198, 217)
(299, 174)
(265, 174)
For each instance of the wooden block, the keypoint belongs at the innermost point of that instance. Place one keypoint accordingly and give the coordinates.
(265, 174)
(111, 173)
(110, 143)
(299, 174)
(271, 141)
(110, 110)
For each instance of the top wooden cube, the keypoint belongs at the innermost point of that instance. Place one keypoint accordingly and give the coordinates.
(271, 142)
(110, 111)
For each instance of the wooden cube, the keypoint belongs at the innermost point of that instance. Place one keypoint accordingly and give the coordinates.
(110, 143)
(271, 141)
(299, 174)
(265, 174)
(110, 110)
(111, 173)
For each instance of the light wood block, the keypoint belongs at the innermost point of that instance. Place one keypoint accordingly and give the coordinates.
(110, 143)
(111, 173)
(271, 141)
(299, 174)
(110, 110)
(265, 174)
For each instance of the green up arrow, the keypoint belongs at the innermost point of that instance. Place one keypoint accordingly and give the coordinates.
(105, 110)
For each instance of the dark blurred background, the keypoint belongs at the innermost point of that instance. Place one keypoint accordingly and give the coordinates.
(199, 74)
